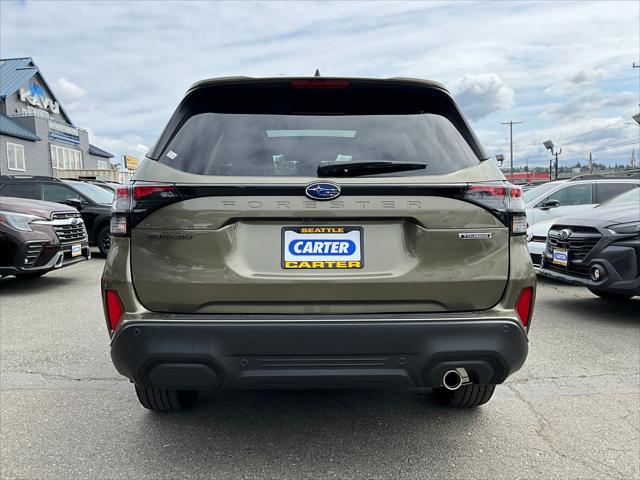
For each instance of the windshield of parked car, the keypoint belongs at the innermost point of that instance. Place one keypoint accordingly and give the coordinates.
(96, 194)
(297, 145)
(535, 192)
(630, 196)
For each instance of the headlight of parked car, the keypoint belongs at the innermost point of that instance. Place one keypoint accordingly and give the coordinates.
(18, 221)
(633, 227)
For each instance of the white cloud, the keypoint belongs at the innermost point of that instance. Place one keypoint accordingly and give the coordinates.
(481, 95)
(125, 145)
(69, 91)
(588, 104)
(587, 75)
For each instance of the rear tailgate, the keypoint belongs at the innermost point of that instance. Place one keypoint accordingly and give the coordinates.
(226, 253)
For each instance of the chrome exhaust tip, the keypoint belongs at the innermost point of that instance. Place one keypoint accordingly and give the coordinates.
(454, 379)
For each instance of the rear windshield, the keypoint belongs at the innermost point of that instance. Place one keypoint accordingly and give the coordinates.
(296, 145)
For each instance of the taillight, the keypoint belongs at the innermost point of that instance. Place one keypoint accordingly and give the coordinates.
(114, 308)
(119, 226)
(524, 305)
(134, 202)
(158, 191)
(504, 200)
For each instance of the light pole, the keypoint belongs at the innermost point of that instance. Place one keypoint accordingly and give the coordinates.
(551, 147)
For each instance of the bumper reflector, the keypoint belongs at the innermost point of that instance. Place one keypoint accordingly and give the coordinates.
(114, 308)
(524, 305)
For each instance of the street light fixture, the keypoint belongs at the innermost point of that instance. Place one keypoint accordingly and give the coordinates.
(500, 159)
(636, 117)
(551, 147)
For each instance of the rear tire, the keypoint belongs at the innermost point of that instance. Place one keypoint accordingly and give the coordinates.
(165, 401)
(103, 240)
(467, 396)
(612, 297)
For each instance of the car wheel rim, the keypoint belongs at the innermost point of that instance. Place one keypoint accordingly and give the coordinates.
(105, 242)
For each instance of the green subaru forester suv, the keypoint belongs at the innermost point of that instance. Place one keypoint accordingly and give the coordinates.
(317, 233)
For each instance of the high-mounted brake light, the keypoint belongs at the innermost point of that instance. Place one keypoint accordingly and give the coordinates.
(114, 308)
(524, 305)
(319, 83)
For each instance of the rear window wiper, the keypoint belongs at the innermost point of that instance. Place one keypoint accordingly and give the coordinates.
(355, 169)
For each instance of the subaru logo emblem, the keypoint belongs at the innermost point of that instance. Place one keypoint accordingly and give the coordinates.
(564, 234)
(75, 221)
(322, 191)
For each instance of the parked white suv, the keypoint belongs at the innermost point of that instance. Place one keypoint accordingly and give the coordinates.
(567, 197)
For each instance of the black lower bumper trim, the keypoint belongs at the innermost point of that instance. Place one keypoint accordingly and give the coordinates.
(393, 354)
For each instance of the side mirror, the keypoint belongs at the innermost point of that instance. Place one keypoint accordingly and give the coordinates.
(74, 202)
(550, 204)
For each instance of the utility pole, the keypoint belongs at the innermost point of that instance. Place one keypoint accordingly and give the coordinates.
(637, 66)
(511, 124)
(590, 163)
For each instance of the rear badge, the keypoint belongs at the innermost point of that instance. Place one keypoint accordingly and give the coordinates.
(169, 236)
(322, 248)
(474, 236)
(322, 191)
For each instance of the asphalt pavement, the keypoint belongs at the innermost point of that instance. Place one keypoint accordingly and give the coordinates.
(573, 411)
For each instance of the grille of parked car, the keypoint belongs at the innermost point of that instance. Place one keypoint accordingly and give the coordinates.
(72, 231)
(34, 249)
(58, 215)
(578, 245)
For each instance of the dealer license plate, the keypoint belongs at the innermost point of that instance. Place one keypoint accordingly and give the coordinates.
(322, 248)
(76, 249)
(560, 257)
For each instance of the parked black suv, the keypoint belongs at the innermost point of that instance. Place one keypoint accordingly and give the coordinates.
(598, 248)
(93, 202)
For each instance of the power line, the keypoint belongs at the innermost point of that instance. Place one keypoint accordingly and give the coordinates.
(597, 149)
(600, 149)
(564, 139)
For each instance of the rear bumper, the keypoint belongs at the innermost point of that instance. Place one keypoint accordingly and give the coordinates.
(361, 354)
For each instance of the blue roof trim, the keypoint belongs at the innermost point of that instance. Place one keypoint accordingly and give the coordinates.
(64, 138)
(12, 128)
(93, 150)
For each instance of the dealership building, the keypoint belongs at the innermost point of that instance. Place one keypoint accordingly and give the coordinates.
(37, 136)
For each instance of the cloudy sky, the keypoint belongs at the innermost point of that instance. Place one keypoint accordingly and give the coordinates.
(562, 68)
